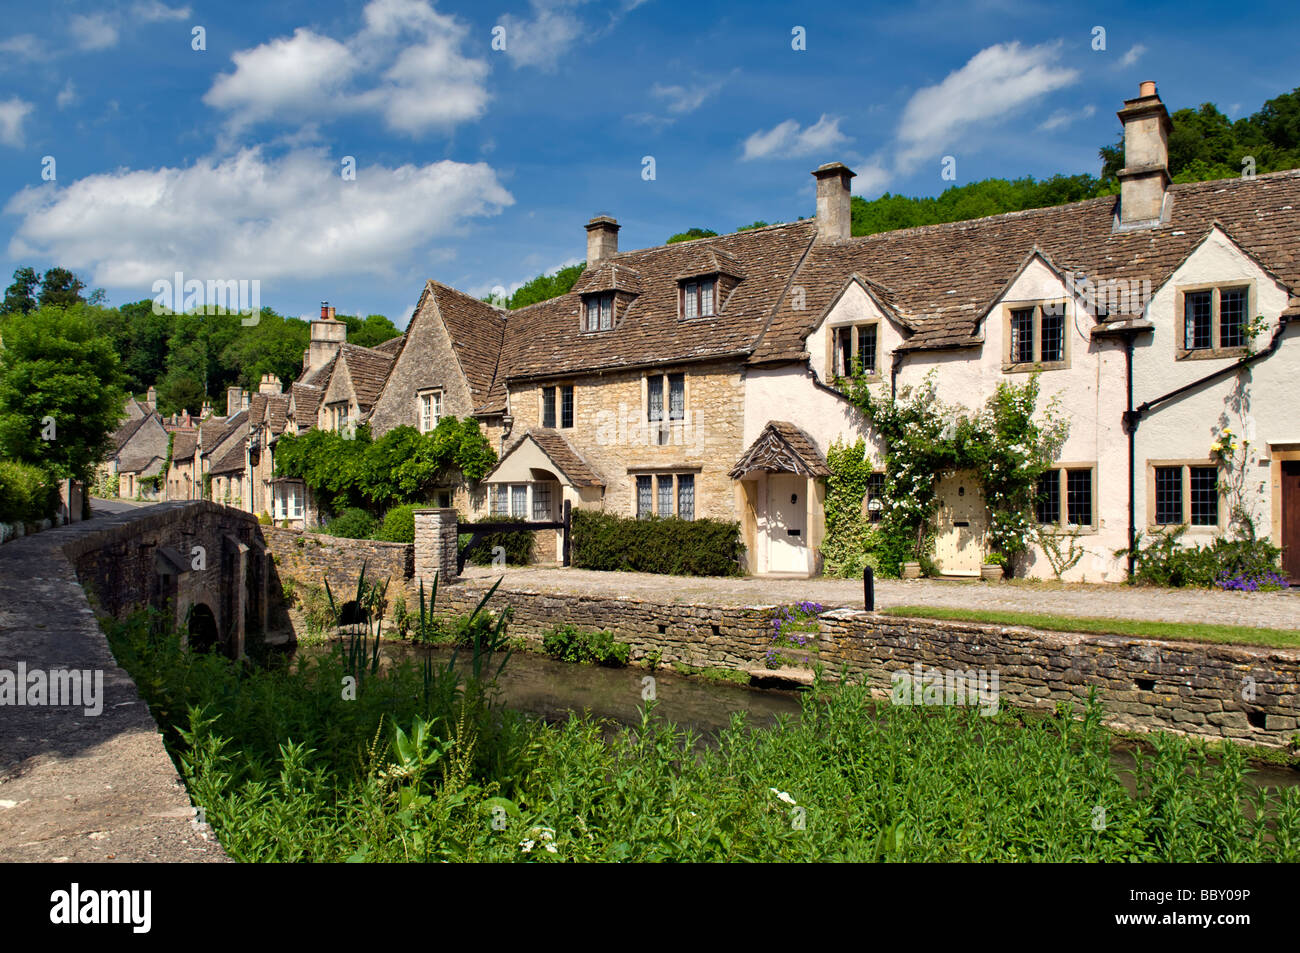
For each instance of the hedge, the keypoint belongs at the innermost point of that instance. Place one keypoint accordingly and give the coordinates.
(667, 545)
(518, 545)
(399, 523)
(27, 493)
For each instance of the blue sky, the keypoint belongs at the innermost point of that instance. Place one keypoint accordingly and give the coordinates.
(479, 166)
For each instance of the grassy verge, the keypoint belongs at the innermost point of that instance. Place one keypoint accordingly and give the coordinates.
(1181, 631)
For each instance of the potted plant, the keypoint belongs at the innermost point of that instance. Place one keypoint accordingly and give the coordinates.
(994, 567)
(912, 570)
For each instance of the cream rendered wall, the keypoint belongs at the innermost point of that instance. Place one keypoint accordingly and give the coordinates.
(1185, 428)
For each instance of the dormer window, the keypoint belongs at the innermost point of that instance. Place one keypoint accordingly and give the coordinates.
(697, 297)
(598, 312)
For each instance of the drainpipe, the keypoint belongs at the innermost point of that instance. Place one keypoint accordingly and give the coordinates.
(1133, 416)
(896, 361)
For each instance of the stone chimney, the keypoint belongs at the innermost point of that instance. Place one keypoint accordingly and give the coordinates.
(151, 398)
(834, 209)
(327, 336)
(270, 384)
(236, 400)
(1144, 180)
(602, 239)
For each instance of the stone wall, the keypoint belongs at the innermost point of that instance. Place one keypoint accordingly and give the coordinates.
(308, 558)
(435, 544)
(1215, 691)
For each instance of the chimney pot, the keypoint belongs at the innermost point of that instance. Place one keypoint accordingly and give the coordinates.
(1148, 88)
(324, 310)
(602, 239)
(834, 201)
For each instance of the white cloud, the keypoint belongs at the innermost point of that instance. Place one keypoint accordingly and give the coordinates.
(23, 46)
(787, 141)
(247, 216)
(405, 65)
(1133, 55)
(995, 82)
(685, 99)
(12, 113)
(67, 95)
(496, 287)
(151, 11)
(1062, 118)
(542, 40)
(95, 32)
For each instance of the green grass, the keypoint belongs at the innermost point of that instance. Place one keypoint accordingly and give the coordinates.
(1181, 631)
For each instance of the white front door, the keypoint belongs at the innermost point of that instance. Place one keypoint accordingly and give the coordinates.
(787, 529)
(960, 524)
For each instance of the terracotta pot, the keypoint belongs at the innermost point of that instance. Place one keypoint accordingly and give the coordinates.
(911, 570)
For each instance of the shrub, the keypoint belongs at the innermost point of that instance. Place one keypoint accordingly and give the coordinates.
(27, 493)
(352, 524)
(518, 545)
(1239, 563)
(672, 546)
(567, 644)
(399, 524)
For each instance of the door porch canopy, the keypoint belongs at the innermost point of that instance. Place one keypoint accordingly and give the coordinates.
(782, 448)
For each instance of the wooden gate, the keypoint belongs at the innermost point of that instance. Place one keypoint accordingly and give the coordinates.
(478, 531)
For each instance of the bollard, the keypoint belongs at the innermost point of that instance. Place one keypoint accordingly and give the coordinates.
(869, 589)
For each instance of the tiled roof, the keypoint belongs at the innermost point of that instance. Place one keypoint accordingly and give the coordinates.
(222, 453)
(545, 338)
(943, 278)
(126, 431)
(212, 431)
(368, 370)
(320, 377)
(277, 412)
(609, 276)
(783, 448)
(568, 461)
(306, 403)
(183, 445)
(477, 332)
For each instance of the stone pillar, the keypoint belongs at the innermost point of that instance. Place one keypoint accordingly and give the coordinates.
(436, 532)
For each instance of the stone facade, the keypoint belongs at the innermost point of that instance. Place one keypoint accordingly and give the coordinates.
(435, 544)
(611, 432)
(311, 558)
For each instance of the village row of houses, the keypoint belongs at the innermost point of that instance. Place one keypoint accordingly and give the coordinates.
(697, 379)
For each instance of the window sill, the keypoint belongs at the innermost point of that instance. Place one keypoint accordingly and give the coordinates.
(1018, 367)
(1211, 353)
(1053, 529)
(1191, 529)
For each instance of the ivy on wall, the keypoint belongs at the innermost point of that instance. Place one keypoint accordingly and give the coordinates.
(924, 438)
(849, 542)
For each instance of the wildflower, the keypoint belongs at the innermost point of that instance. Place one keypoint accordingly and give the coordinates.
(782, 796)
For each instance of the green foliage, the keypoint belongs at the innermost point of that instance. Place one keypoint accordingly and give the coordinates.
(847, 548)
(60, 288)
(542, 288)
(399, 524)
(27, 493)
(55, 364)
(1165, 560)
(1206, 144)
(568, 644)
(352, 523)
(690, 234)
(758, 224)
(20, 297)
(402, 466)
(422, 767)
(518, 545)
(374, 330)
(701, 547)
(1003, 443)
(960, 203)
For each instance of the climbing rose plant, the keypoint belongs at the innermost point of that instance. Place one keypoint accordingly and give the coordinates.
(1008, 443)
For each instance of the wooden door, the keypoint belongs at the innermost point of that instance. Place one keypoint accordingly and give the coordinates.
(1291, 520)
(787, 532)
(960, 524)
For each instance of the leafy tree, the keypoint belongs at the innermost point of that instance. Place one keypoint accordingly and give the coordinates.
(689, 234)
(56, 365)
(545, 287)
(178, 392)
(60, 288)
(759, 224)
(20, 297)
(273, 345)
(375, 329)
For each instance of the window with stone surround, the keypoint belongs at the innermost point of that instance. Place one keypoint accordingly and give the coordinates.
(430, 409)
(1036, 336)
(665, 405)
(855, 346)
(1213, 320)
(1183, 493)
(1066, 496)
(664, 494)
